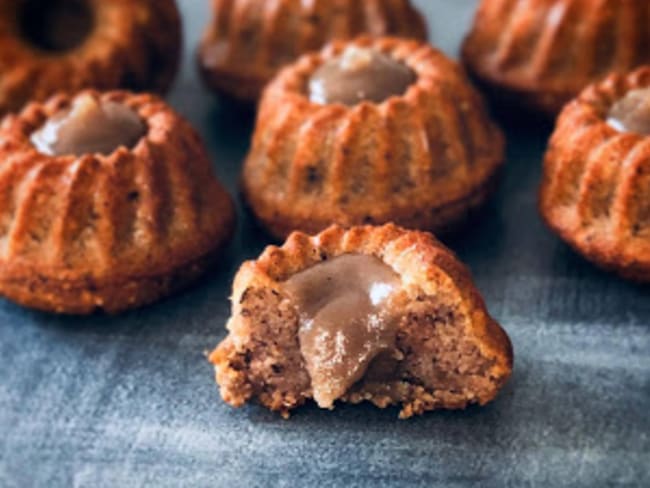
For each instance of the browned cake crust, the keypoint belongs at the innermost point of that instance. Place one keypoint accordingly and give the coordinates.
(78, 234)
(594, 191)
(133, 45)
(455, 354)
(248, 41)
(542, 53)
(424, 159)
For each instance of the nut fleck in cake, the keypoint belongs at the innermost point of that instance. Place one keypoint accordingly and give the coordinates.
(107, 202)
(48, 46)
(379, 314)
(541, 53)
(595, 190)
(367, 132)
(248, 41)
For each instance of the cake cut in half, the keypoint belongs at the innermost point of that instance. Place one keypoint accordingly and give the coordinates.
(377, 314)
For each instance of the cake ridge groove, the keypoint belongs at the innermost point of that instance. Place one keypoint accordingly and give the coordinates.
(635, 165)
(105, 215)
(26, 202)
(310, 171)
(550, 39)
(65, 223)
(152, 187)
(601, 173)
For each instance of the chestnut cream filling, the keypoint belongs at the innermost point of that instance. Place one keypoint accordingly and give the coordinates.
(90, 126)
(357, 75)
(632, 112)
(348, 317)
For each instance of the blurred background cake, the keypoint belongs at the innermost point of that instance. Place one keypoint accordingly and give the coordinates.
(539, 54)
(247, 41)
(47, 46)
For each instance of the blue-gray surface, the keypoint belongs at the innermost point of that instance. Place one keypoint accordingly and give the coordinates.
(130, 401)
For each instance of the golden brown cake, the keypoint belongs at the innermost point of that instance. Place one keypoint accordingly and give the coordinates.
(380, 314)
(47, 46)
(595, 190)
(107, 202)
(248, 41)
(541, 53)
(371, 131)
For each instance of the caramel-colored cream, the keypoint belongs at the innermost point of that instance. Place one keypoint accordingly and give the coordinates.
(632, 112)
(357, 75)
(90, 126)
(348, 318)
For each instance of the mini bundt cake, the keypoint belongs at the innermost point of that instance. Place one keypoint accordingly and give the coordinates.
(542, 53)
(107, 202)
(371, 131)
(248, 41)
(380, 314)
(48, 46)
(596, 188)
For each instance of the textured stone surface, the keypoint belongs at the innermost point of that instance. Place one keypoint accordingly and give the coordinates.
(130, 401)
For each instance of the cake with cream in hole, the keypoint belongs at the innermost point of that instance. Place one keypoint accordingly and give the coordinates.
(371, 131)
(595, 187)
(107, 202)
(377, 314)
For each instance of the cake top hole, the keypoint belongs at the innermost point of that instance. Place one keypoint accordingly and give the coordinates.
(357, 75)
(90, 126)
(632, 112)
(55, 26)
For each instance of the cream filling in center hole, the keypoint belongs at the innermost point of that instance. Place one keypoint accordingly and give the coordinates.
(348, 317)
(90, 126)
(357, 75)
(632, 112)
